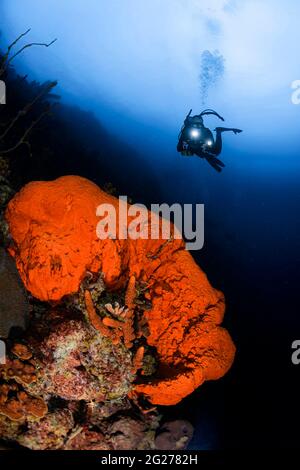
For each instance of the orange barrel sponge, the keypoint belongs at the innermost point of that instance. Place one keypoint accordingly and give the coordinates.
(53, 226)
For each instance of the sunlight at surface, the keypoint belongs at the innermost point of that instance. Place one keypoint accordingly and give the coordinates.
(136, 64)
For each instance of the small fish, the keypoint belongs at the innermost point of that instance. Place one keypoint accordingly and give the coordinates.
(14, 306)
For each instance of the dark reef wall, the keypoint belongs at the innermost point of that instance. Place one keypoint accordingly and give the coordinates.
(67, 140)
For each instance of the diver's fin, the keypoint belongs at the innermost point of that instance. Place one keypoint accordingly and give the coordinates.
(215, 163)
(228, 129)
(214, 158)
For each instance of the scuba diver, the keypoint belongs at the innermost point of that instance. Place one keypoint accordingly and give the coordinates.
(196, 139)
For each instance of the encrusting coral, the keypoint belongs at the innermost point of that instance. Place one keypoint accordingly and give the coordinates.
(21, 372)
(53, 226)
(20, 405)
(76, 362)
(49, 433)
(66, 385)
(17, 374)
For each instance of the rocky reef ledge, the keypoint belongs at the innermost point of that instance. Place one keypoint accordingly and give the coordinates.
(117, 327)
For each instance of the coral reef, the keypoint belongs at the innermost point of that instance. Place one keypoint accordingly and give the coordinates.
(77, 363)
(65, 386)
(53, 226)
(17, 405)
(49, 433)
(174, 435)
(84, 439)
(21, 372)
(82, 337)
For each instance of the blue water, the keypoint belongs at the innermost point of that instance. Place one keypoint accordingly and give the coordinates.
(136, 69)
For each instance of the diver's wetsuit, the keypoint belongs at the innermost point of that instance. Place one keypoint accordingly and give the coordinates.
(188, 147)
